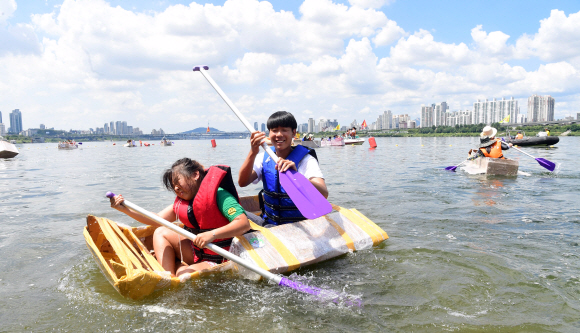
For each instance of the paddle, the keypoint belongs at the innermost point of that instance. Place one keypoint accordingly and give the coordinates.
(543, 162)
(305, 196)
(279, 280)
(452, 168)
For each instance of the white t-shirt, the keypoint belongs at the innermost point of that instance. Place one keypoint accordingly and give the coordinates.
(308, 167)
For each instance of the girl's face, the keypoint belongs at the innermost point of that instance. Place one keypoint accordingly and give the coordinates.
(185, 188)
(281, 137)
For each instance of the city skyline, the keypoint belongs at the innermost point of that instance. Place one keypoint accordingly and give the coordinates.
(314, 58)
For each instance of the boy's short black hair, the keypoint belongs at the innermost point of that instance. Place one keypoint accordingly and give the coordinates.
(282, 119)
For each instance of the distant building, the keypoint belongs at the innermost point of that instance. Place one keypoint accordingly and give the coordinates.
(387, 120)
(42, 126)
(15, 121)
(426, 116)
(256, 125)
(106, 128)
(2, 129)
(577, 116)
(111, 128)
(488, 112)
(0, 117)
(263, 127)
(311, 125)
(439, 113)
(540, 108)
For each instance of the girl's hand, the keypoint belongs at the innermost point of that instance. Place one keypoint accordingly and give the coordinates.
(256, 140)
(203, 239)
(117, 203)
(284, 165)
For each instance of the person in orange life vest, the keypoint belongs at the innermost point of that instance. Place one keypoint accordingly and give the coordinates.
(519, 136)
(207, 204)
(258, 166)
(490, 146)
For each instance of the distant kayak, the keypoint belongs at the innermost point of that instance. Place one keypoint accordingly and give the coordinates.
(356, 142)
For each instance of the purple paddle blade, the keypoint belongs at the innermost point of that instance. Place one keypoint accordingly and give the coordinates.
(305, 196)
(323, 294)
(451, 168)
(546, 164)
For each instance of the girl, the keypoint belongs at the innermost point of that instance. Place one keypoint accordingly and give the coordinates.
(207, 204)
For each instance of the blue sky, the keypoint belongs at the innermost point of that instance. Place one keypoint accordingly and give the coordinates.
(336, 59)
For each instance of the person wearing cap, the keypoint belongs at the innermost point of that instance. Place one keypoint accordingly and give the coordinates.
(547, 131)
(490, 146)
(519, 136)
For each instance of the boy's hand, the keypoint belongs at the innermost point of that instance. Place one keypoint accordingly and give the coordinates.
(256, 141)
(284, 165)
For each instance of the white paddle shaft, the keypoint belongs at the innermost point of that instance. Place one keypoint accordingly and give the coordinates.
(214, 248)
(205, 74)
(521, 151)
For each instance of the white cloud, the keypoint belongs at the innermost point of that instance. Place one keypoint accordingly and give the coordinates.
(558, 38)
(370, 3)
(7, 8)
(89, 62)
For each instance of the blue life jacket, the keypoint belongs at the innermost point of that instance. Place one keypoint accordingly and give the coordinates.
(277, 206)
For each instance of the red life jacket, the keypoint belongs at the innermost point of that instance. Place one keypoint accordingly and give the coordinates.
(495, 151)
(202, 213)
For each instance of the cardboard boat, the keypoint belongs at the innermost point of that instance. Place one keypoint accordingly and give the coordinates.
(492, 167)
(124, 254)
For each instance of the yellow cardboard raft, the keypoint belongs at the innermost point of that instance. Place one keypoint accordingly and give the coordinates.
(124, 253)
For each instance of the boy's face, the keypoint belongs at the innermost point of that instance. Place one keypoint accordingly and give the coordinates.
(281, 137)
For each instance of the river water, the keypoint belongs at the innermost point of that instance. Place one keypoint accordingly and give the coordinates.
(465, 253)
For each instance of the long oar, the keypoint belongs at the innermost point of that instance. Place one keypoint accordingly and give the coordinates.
(279, 280)
(543, 162)
(305, 196)
(452, 168)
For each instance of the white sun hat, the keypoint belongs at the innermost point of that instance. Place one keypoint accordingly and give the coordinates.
(488, 132)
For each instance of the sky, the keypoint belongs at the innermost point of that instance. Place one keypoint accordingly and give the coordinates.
(79, 64)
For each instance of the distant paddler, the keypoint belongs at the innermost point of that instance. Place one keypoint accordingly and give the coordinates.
(207, 203)
(489, 145)
(519, 136)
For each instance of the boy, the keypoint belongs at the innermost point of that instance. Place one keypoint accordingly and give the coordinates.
(277, 207)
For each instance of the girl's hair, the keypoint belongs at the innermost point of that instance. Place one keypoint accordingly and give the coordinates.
(282, 119)
(184, 167)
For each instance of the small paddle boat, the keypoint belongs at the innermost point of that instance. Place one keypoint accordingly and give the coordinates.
(130, 144)
(166, 143)
(307, 143)
(491, 167)
(332, 142)
(124, 254)
(7, 149)
(68, 145)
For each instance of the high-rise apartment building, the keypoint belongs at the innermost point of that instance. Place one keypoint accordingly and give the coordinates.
(106, 128)
(263, 127)
(118, 127)
(541, 108)
(112, 127)
(426, 116)
(311, 125)
(387, 120)
(15, 121)
(0, 117)
(256, 125)
(488, 112)
(2, 129)
(439, 114)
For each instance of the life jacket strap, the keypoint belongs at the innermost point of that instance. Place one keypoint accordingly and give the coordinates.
(276, 195)
(279, 207)
(279, 219)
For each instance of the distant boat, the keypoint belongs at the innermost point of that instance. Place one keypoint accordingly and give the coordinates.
(67, 145)
(332, 142)
(130, 144)
(166, 143)
(7, 149)
(356, 141)
(541, 139)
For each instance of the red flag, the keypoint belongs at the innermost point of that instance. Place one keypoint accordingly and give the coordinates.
(364, 124)
(207, 129)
